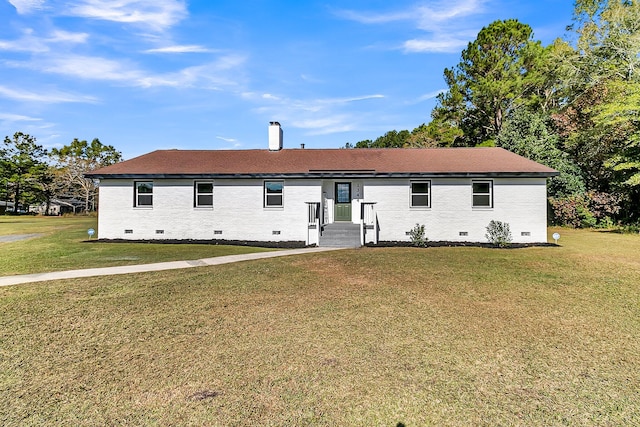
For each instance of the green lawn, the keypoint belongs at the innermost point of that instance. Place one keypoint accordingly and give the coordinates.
(374, 336)
(63, 244)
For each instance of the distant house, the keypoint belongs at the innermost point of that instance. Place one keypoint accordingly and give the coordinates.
(6, 207)
(58, 207)
(322, 196)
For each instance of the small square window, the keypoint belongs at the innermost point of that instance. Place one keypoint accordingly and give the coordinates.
(273, 192)
(482, 194)
(421, 194)
(143, 193)
(203, 194)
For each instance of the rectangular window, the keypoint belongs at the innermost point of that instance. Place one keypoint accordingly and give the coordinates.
(421, 194)
(203, 194)
(273, 191)
(143, 193)
(482, 194)
(343, 192)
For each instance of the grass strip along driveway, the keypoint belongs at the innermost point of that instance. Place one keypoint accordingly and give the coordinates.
(375, 336)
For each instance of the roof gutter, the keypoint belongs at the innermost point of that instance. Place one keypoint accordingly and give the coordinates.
(326, 175)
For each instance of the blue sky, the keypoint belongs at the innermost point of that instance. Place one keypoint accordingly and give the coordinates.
(143, 75)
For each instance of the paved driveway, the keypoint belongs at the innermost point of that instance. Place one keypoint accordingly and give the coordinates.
(16, 237)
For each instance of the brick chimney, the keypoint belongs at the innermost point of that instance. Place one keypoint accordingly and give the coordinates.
(275, 136)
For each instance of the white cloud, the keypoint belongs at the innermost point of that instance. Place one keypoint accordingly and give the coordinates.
(446, 11)
(327, 123)
(317, 116)
(353, 99)
(86, 67)
(375, 18)
(17, 117)
(431, 95)
(444, 46)
(180, 49)
(425, 16)
(224, 72)
(156, 14)
(61, 36)
(226, 139)
(27, 6)
(35, 44)
(53, 97)
(311, 79)
(447, 24)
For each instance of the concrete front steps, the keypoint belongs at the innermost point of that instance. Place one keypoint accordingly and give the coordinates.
(340, 235)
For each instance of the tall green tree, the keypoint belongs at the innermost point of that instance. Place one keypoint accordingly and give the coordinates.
(78, 158)
(528, 134)
(437, 133)
(23, 168)
(600, 118)
(500, 70)
(391, 139)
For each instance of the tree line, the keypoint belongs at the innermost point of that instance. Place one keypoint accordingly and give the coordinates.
(573, 105)
(32, 175)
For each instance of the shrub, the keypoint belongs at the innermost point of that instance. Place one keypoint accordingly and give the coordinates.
(499, 234)
(592, 209)
(416, 234)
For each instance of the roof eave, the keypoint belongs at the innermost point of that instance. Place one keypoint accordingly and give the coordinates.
(325, 175)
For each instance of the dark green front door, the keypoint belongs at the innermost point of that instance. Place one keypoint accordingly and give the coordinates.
(343, 201)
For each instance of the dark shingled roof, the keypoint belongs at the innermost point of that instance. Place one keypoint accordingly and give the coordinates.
(326, 163)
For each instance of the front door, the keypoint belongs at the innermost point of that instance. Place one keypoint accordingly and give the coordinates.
(343, 201)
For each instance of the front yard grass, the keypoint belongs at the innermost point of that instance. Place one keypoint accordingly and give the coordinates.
(62, 244)
(374, 336)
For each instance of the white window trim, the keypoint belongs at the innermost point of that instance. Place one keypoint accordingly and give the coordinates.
(482, 181)
(264, 195)
(136, 203)
(411, 193)
(196, 194)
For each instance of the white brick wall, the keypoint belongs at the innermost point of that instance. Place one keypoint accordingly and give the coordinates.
(239, 214)
(520, 202)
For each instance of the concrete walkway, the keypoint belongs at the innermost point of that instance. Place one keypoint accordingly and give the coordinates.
(127, 269)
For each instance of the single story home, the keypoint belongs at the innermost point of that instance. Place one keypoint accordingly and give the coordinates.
(322, 196)
(58, 207)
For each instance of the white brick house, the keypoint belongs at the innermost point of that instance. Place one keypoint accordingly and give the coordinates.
(297, 195)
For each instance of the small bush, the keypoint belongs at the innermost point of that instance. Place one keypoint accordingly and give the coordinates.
(499, 234)
(588, 210)
(416, 234)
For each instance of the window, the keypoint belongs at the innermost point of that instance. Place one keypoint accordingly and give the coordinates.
(203, 194)
(343, 192)
(421, 194)
(273, 193)
(144, 193)
(482, 194)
